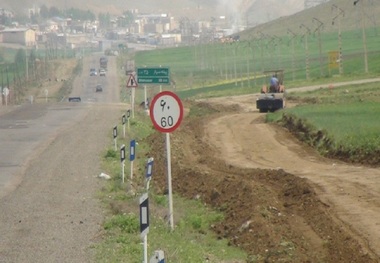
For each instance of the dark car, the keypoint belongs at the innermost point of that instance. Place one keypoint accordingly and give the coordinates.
(99, 88)
(93, 72)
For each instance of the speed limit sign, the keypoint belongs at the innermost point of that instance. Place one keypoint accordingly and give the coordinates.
(166, 111)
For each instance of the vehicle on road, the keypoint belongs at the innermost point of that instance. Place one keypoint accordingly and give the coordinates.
(75, 99)
(93, 72)
(272, 98)
(99, 88)
(102, 73)
(103, 61)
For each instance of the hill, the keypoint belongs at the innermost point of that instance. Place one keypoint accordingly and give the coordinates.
(258, 11)
(328, 16)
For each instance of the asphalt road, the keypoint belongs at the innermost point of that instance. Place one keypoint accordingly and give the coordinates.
(30, 128)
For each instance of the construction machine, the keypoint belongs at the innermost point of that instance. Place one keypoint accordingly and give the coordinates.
(272, 97)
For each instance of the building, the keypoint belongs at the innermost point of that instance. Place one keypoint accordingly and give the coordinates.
(22, 36)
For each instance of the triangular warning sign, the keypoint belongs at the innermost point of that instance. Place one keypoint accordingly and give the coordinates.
(132, 83)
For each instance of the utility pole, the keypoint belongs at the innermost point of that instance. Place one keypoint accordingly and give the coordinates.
(26, 65)
(340, 13)
(364, 34)
(294, 35)
(306, 50)
(262, 38)
(318, 30)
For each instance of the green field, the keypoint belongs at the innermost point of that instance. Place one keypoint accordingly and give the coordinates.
(238, 66)
(216, 69)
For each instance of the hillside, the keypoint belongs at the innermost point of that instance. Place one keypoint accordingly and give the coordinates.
(325, 15)
(259, 11)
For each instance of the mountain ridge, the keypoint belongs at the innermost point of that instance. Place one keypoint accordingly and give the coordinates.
(258, 11)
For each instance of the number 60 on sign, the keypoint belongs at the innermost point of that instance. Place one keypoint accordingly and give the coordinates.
(166, 111)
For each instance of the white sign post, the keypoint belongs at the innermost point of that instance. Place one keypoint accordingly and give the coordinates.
(149, 172)
(122, 159)
(123, 121)
(144, 223)
(128, 117)
(115, 136)
(132, 153)
(6, 94)
(166, 113)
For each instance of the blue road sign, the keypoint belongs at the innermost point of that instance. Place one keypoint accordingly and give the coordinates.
(149, 168)
(132, 149)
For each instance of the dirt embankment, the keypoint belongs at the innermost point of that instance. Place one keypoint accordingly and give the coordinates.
(273, 215)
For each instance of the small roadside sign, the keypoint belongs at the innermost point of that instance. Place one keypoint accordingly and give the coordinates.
(144, 215)
(132, 83)
(149, 168)
(123, 119)
(114, 132)
(122, 153)
(132, 150)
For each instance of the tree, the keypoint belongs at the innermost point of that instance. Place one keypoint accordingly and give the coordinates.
(20, 57)
(54, 11)
(44, 12)
(104, 20)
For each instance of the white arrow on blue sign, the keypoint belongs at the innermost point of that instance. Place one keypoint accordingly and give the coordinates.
(144, 215)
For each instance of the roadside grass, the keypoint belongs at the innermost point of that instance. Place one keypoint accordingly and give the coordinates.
(191, 241)
(339, 122)
(67, 85)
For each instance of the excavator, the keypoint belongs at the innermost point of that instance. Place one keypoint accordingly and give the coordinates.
(272, 97)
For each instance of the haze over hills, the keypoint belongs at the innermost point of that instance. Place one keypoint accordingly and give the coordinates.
(258, 11)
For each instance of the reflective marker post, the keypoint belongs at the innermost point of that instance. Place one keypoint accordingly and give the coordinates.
(149, 172)
(122, 160)
(132, 147)
(144, 223)
(123, 121)
(128, 117)
(115, 136)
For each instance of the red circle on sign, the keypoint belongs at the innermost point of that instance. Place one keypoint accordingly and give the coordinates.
(172, 106)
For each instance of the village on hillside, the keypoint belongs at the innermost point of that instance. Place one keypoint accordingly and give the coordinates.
(100, 32)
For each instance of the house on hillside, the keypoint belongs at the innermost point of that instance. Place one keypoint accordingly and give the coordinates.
(22, 36)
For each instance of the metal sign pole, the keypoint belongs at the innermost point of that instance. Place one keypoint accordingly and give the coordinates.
(168, 156)
(145, 97)
(133, 103)
(146, 249)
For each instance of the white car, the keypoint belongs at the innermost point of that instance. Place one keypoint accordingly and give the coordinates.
(102, 72)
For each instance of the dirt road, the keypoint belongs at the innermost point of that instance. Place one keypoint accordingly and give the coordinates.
(246, 141)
